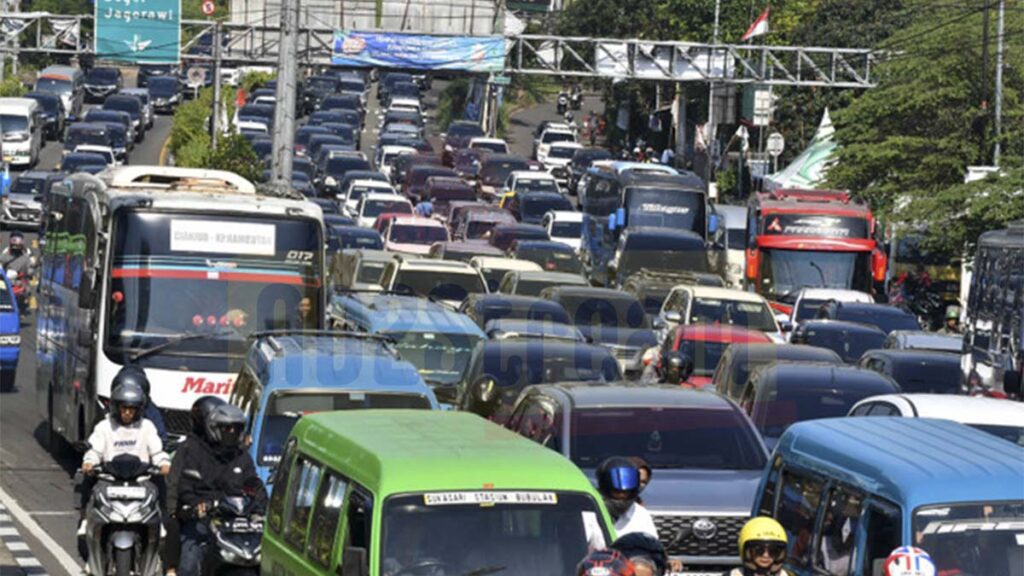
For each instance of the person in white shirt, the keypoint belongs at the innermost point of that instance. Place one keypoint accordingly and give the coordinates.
(618, 481)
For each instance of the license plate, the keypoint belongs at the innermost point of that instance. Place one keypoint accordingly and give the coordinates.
(697, 574)
(126, 492)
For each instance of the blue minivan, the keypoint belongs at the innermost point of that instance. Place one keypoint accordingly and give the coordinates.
(848, 491)
(288, 375)
(10, 334)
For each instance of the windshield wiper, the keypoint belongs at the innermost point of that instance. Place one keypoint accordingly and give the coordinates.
(485, 570)
(178, 340)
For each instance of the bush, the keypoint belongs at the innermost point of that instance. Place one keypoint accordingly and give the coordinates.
(451, 104)
(12, 87)
(191, 146)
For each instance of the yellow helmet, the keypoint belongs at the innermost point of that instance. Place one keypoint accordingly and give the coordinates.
(765, 531)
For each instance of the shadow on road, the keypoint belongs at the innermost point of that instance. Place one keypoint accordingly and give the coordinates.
(64, 455)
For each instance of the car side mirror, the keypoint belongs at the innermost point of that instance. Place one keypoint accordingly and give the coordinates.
(446, 394)
(353, 562)
(678, 368)
(786, 325)
(674, 316)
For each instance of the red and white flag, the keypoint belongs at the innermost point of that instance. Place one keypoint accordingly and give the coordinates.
(759, 27)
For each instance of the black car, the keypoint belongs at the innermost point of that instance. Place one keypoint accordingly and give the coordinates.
(548, 254)
(165, 93)
(582, 160)
(504, 235)
(345, 237)
(886, 318)
(500, 369)
(483, 308)
(387, 81)
(316, 88)
(334, 171)
(89, 133)
(651, 287)
(116, 117)
(740, 359)
(52, 111)
(608, 317)
(848, 339)
(458, 135)
(530, 207)
(646, 249)
(917, 371)
(148, 72)
(101, 82)
(133, 107)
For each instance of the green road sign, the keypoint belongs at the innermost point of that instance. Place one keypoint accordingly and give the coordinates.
(138, 30)
(501, 80)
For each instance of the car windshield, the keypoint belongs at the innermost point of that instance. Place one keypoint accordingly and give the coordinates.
(342, 238)
(1013, 434)
(535, 207)
(676, 208)
(53, 85)
(129, 105)
(550, 137)
(784, 272)
(28, 187)
(489, 532)
(605, 310)
(459, 129)
(163, 86)
(662, 253)
(849, 345)
(415, 234)
(285, 409)
(887, 319)
(440, 358)
(10, 123)
(499, 171)
(515, 369)
(175, 274)
(705, 355)
(48, 104)
(79, 162)
(102, 76)
(665, 437)
(374, 208)
(322, 83)
(750, 315)
(563, 152)
(566, 229)
(370, 271)
(499, 147)
(77, 136)
(653, 297)
(810, 402)
(552, 259)
(535, 287)
(929, 376)
(972, 539)
(439, 285)
(536, 185)
(808, 308)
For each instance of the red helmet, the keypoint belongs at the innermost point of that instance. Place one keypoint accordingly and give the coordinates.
(605, 563)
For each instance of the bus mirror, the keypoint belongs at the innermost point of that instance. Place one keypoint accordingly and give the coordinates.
(620, 217)
(86, 289)
(712, 223)
(353, 562)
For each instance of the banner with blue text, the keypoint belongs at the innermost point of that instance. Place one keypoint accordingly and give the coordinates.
(419, 52)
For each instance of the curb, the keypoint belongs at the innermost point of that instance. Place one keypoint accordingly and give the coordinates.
(12, 547)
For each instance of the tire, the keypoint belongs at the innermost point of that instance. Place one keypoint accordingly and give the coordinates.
(122, 562)
(54, 442)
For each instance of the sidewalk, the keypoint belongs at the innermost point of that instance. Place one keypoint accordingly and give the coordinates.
(8, 565)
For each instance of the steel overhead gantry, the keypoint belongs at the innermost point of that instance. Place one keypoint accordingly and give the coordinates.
(255, 43)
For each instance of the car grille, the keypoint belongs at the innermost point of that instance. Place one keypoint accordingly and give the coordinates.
(721, 542)
(24, 214)
(623, 353)
(177, 421)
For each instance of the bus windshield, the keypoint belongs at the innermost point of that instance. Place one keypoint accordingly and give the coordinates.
(977, 538)
(665, 208)
(785, 272)
(175, 274)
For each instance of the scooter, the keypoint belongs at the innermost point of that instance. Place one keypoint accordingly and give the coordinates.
(563, 103)
(236, 534)
(20, 287)
(576, 99)
(123, 520)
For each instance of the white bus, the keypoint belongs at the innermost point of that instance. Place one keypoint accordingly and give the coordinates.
(170, 269)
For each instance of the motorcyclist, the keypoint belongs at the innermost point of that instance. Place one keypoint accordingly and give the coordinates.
(605, 563)
(123, 431)
(618, 481)
(16, 255)
(216, 467)
(646, 553)
(909, 561)
(762, 544)
(952, 324)
(150, 411)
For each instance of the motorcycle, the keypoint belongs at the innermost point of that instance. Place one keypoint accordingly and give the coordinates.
(563, 103)
(123, 519)
(20, 287)
(576, 100)
(236, 534)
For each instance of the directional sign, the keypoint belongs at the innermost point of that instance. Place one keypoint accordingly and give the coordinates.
(209, 7)
(138, 30)
(776, 144)
(501, 80)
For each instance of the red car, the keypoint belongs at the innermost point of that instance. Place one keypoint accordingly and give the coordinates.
(704, 345)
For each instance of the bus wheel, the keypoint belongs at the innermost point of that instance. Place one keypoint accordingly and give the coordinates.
(54, 443)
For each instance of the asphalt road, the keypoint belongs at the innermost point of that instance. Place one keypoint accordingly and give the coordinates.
(39, 482)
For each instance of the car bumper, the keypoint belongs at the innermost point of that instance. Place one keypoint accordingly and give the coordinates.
(9, 351)
(16, 217)
(18, 153)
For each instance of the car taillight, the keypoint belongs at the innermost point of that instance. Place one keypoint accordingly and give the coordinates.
(753, 263)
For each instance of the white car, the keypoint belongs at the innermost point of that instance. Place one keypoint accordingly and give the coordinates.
(553, 133)
(493, 268)
(374, 204)
(565, 227)
(558, 158)
(106, 151)
(448, 281)
(690, 304)
(249, 126)
(387, 154)
(414, 235)
(406, 105)
(1003, 418)
(348, 198)
(496, 145)
(809, 300)
(528, 181)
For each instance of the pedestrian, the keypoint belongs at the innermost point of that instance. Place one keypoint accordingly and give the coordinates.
(618, 481)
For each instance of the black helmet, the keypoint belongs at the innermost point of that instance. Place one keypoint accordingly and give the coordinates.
(127, 393)
(202, 408)
(132, 373)
(224, 426)
(618, 474)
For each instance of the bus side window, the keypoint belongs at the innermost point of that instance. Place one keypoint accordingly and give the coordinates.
(884, 534)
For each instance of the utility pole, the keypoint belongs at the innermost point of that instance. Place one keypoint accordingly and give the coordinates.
(999, 81)
(284, 111)
(983, 129)
(215, 127)
(711, 132)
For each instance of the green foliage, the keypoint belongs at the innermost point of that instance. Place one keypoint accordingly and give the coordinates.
(451, 104)
(254, 80)
(189, 123)
(12, 86)
(190, 141)
(235, 154)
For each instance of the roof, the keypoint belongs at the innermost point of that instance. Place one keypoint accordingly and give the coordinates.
(732, 294)
(532, 175)
(394, 451)
(803, 376)
(963, 409)
(563, 277)
(585, 396)
(436, 265)
(659, 232)
(920, 339)
(543, 244)
(917, 356)
(502, 263)
(566, 215)
(417, 221)
(508, 328)
(792, 352)
(385, 196)
(720, 333)
(835, 294)
(393, 313)
(837, 325)
(909, 461)
(872, 308)
(1011, 237)
(485, 140)
(566, 144)
(588, 292)
(513, 301)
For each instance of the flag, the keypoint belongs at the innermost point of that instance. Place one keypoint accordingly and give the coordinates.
(759, 27)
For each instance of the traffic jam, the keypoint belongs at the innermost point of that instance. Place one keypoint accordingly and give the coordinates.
(439, 352)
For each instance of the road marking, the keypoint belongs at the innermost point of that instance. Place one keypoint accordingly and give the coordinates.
(54, 513)
(18, 547)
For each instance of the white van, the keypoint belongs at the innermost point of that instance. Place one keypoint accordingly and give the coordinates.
(735, 240)
(21, 127)
(68, 83)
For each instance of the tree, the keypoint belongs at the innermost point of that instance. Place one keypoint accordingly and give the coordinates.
(914, 135)
(235, 154)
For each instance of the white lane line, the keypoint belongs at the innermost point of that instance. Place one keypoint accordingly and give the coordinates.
(54, 513)
(69, 564)
(18, 547)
